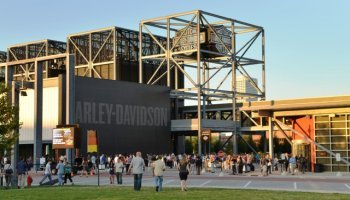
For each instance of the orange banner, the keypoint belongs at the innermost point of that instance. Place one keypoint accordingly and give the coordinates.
(91, 141)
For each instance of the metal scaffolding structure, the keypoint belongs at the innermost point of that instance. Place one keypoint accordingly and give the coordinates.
(209, 51)
(30, 51)
(111, 53)
(3, 58)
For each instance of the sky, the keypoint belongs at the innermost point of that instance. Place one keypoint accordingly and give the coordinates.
(307, 42)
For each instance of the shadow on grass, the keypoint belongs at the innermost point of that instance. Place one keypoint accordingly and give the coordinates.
(127, 192)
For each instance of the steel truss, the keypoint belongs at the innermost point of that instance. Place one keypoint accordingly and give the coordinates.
(110, 53)
(30, 51)
(3, 58)
(209, 44)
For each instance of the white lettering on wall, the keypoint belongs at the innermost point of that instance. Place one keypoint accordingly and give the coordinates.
(124, 115)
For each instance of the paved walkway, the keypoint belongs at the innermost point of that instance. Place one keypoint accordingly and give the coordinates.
(308, 182)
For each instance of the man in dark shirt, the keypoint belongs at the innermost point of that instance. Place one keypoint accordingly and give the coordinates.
(21, 172)
(198, 164)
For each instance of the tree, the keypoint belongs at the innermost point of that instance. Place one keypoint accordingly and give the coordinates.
(9, 120)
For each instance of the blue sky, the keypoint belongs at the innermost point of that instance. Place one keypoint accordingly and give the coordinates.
(307, 42)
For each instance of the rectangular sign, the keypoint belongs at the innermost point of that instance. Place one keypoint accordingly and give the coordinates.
(63, 138)
(337, 157)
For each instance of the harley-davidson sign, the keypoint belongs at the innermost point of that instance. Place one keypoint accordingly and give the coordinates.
(188, 39)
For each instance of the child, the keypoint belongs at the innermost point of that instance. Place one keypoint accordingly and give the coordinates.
(29, 181)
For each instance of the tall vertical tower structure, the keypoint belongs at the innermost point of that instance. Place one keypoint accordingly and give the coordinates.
(209, 50)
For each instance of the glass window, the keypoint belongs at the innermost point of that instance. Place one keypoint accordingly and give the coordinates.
(338, 118)
(327, 146)
(321, 118)
(322, 125)
(338, 132)
(340, 146)
(338, 124)
(339, 168)
(322, 139)
(326, 168)
(335, 162)
(322, 154)
(323, 160)
(338, 139)
(322, 132)
(342, 153)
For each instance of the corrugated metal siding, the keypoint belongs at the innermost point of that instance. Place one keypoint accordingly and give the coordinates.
(50, 114)
(26, 117)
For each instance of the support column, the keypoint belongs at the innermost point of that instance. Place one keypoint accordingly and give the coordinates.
(199, 87)
(235, 143)
(140, 54)
(8, 82)
(70, 99)
(271, 153)
(180, 144)
(15, 147)
(8, 75)
(38, 111)
(263, 64)
(168, 51)
(61, 99)
(264, 141)
(233, 85)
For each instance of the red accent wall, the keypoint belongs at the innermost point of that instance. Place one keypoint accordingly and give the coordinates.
(306, 125)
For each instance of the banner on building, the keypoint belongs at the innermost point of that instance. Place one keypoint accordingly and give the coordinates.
(92, 141)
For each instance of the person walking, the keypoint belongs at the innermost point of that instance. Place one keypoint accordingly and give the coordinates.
(60, 172)
(292, 164)
(22, 168)
(183, 173)
(67, 172)
(158, 170)
(263, 165)
(199, 164)
(137, 166)
(119, 166)
(84, 170)
(8, 173)
(47, 173)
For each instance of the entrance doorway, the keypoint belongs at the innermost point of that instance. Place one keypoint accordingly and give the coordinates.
(302, 148)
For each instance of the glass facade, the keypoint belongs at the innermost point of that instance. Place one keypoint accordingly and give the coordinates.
(332, 132)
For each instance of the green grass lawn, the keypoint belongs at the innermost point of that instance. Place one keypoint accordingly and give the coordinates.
(106, 192)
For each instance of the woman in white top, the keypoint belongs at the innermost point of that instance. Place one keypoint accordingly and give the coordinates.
(118, 166)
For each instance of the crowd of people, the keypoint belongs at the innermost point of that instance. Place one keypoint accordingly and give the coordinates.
(136, 164)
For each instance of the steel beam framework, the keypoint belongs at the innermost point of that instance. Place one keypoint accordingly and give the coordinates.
(110, 53)
(3, 58)
(30, 51)
(210, 46)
